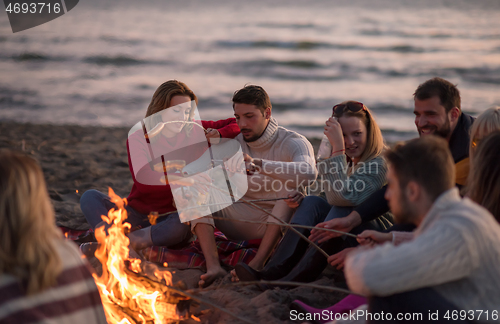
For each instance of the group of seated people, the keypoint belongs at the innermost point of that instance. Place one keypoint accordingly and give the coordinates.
(424, 215)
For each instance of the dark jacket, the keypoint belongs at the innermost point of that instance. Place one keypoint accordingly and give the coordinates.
(376, 205)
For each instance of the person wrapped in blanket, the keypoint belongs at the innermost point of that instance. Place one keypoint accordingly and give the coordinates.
(354, 171)
(43, 278)
(170, 136)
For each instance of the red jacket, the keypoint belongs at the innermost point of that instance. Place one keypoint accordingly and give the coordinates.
(149, 194)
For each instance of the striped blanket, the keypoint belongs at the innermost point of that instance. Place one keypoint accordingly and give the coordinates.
(230, 252)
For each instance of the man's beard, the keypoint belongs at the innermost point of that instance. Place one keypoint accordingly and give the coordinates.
(406, 214)
(445, 130)
(251, 139)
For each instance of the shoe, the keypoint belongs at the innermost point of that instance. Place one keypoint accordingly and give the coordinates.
(247, 273)
(349, 303)
(140, 239)
(301, 307)
(286, 255)
(88, 249)
(313, 262)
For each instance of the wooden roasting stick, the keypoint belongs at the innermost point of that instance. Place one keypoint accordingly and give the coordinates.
(175, 300)
(159, 127)
(276, 283)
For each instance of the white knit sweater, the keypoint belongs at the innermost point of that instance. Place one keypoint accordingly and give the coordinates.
(287, 159)
(455, 250)
(287, 164)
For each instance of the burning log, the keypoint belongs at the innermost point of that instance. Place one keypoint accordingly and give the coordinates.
(135, 291)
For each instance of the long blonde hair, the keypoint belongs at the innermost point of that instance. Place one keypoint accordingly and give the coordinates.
(488, 121)
(162, 98)
(28, 235)
(374, 140)
(484, 187)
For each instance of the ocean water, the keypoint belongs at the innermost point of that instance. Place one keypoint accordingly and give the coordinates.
(101, 63)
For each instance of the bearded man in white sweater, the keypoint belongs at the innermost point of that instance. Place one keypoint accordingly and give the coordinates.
(280, 162)
(447, 269)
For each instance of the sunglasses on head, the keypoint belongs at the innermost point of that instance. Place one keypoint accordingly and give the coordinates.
(353, 106)
(475, 142)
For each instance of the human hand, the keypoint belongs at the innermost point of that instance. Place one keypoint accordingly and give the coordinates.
(333, 131)
(249, 164)
(344, 224)
(252, 165)
(181, 198)
(212, 135)
(294, 199)
(202, 182)
(372, 238)
(337, 260)
(235, 164)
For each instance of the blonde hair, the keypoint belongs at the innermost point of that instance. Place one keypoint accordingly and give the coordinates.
(162, 98)
(27, 225)
(484, 187)
(487, 122)
(374, 140)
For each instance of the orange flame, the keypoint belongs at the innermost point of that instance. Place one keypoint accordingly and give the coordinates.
(129, 298)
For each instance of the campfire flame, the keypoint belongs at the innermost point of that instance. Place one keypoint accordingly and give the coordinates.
(128, 295)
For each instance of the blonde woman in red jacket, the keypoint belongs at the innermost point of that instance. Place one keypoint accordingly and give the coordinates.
(178, 139)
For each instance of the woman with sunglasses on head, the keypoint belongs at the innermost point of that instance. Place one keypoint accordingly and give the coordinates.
(353, 171)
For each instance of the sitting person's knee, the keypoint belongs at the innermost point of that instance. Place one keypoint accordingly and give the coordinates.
(90, 196)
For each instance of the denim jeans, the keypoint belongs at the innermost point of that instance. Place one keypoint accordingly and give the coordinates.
(169, 231)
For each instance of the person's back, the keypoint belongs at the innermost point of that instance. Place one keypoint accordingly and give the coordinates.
(74, 299)
(450, 263)
(455, 250)
(480, 234)
(42, 277)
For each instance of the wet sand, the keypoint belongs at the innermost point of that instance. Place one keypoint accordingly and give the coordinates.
(75, 159)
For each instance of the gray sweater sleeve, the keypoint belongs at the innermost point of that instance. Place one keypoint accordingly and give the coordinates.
(435, 257)
(342, 189)
(300, 169)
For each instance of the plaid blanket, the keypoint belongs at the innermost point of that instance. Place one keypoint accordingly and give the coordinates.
(230, 252)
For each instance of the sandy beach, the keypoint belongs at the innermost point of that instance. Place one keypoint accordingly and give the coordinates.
(75, 159)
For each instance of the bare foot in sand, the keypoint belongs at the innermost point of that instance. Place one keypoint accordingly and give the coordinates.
(211, 275)
(234, 276)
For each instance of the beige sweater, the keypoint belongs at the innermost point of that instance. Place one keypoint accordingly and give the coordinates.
(454, 250)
